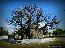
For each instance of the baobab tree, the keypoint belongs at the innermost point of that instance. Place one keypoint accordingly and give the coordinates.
(25, 17)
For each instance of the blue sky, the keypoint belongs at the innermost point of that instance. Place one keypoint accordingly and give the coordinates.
(52, 7)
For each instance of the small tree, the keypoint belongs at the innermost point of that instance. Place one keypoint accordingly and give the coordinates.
(3, 32)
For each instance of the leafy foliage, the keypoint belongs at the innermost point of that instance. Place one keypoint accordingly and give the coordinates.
(3, 32)
(59, 32)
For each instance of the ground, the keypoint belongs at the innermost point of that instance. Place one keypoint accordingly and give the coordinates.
(59, 42)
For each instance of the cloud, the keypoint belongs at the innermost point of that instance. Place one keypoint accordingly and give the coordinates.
(6, 25)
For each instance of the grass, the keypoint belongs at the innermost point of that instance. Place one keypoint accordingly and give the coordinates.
(58, 43)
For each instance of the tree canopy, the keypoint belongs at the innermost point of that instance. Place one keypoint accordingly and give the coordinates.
(25, 17)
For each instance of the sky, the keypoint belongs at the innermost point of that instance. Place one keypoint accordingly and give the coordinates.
(53, 7)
